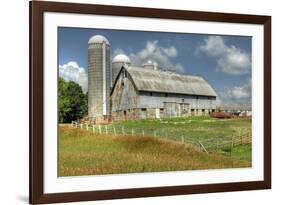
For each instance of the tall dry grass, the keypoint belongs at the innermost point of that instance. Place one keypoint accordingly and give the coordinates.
(84, 153)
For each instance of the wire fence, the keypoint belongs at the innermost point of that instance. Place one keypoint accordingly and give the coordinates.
(214, 144)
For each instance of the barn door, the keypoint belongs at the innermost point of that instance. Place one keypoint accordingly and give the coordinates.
(157, 113)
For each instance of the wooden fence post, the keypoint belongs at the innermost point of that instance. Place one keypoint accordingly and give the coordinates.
(203, 148)
(232, 144)
(123, 130)
(87, 127)
(182, 139)
(114, 131)
(217, 145)
(106, 129)
(99, 129)
(94, 130)
(81, 125)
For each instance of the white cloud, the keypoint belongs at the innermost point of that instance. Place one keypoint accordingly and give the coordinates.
(239, 92)
(229, 59)
(162, 56)
(213, 46)
(237, 95)
(72, 71)
(171, 51)
(118, 51)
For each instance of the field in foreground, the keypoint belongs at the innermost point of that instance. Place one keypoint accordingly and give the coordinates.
(85, 153)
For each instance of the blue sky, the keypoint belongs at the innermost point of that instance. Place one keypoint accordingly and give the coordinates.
(224, 61)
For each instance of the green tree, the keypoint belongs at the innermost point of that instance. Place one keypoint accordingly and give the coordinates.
(72, 101)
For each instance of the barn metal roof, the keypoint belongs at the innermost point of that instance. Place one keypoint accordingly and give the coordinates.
(169, 82)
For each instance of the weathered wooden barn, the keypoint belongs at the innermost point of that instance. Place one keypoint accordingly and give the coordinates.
(140, 93)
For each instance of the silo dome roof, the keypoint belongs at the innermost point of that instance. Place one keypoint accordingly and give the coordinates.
(98, 39)
(121, 58)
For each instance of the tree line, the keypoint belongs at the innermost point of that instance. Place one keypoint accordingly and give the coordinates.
(73, 103)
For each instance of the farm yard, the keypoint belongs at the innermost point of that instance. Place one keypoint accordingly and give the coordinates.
(154, 145)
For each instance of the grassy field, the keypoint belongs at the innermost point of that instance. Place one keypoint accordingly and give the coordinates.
(83, 152)
(243, 152)
(214, 134)
(191, 127)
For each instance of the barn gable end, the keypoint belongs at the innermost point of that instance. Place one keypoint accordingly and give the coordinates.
(124, 97)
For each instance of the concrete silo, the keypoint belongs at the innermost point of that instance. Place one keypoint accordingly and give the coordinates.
(117, 63)
(98, 78)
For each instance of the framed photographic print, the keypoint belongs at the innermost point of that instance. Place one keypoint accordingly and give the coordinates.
(139, 102)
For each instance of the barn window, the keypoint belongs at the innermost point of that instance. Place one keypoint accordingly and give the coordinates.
(192, 110)
(143, 109)
(161, 109)
(203, 110)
